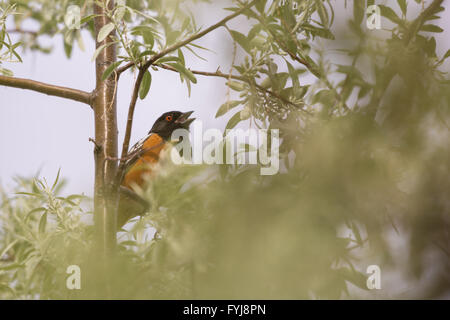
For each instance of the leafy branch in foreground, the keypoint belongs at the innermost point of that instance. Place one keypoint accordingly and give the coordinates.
(8, 49)
(143, 69)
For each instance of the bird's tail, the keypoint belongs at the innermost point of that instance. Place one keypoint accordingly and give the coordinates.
(130, 205)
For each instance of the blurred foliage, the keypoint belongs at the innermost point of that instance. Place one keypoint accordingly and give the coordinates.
(365, 153)
(8, 48)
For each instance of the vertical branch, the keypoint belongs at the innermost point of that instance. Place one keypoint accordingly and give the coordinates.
(131, 108)
(104, 105)
(126, 140)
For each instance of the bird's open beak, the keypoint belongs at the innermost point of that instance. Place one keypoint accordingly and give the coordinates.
(184, 119)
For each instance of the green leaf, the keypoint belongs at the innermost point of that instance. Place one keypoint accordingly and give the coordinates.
(389, 14)
(431, 47)
(319, 32)
(325, 97)
(145, 53)
(234, 120)
(446, 55)
(56, 180)
(68, 49)
(227, 106)
(110, 69)
(403, 6)
(145, 85)
(9, 246)
(181, 57)
(168, 59)
(294, 75)
(6, 72)
(34, 211)
(2, 37)
(246, 113)
(280, 80)
(99, 49)
(431, 28)
(235, 85)
(29, 194)
(266, 83)
(87, 18)
(188, 85)
(241, 40)
(80, 41)
(76, 196)
(353, 276)
(260, 5)
(11, 266)
(147, 34)
(43, 223)
(358, 11)
(128, 243)
(182, 69)
(254, 31)
(105, 31)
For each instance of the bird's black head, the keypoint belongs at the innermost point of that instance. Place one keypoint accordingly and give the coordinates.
(170, 121)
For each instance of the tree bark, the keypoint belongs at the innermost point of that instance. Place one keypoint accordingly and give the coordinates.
(104, 105)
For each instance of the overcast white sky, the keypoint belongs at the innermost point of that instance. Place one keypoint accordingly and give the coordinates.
(39, 132)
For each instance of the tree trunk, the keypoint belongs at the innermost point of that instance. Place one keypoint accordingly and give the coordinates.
(104, 105)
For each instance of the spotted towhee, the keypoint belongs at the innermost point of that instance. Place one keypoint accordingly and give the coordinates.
(138, 164)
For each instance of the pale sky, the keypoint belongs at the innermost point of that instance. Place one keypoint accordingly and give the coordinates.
(39, 132)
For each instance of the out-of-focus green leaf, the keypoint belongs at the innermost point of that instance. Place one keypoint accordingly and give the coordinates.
(390, 14)
(99, 49)
(358, 11)
(34, 211)
(241, 40)
(105, 31)
(9, 246)
(56, 180)
(43, 223)
(235, 85)
(446, 55)
(403, 6)
(147, 33)
(431, 28)
(227, 106)
(234, 120)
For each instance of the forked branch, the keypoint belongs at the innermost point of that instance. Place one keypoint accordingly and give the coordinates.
(151, 61)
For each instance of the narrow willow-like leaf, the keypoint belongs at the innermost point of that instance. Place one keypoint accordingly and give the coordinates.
(234, 120)
(227, 106)
(110, 69)
(105, 31)
(43, 223)
(145, 85)
(182, 69)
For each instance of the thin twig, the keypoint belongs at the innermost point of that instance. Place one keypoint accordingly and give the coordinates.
(188, 40)
(235, 77)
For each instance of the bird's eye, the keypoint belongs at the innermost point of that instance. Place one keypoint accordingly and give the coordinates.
(169, 118)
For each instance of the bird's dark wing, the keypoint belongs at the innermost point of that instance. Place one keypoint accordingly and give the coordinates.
(135, 152)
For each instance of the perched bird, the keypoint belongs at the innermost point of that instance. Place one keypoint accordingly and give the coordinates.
(144, 153)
